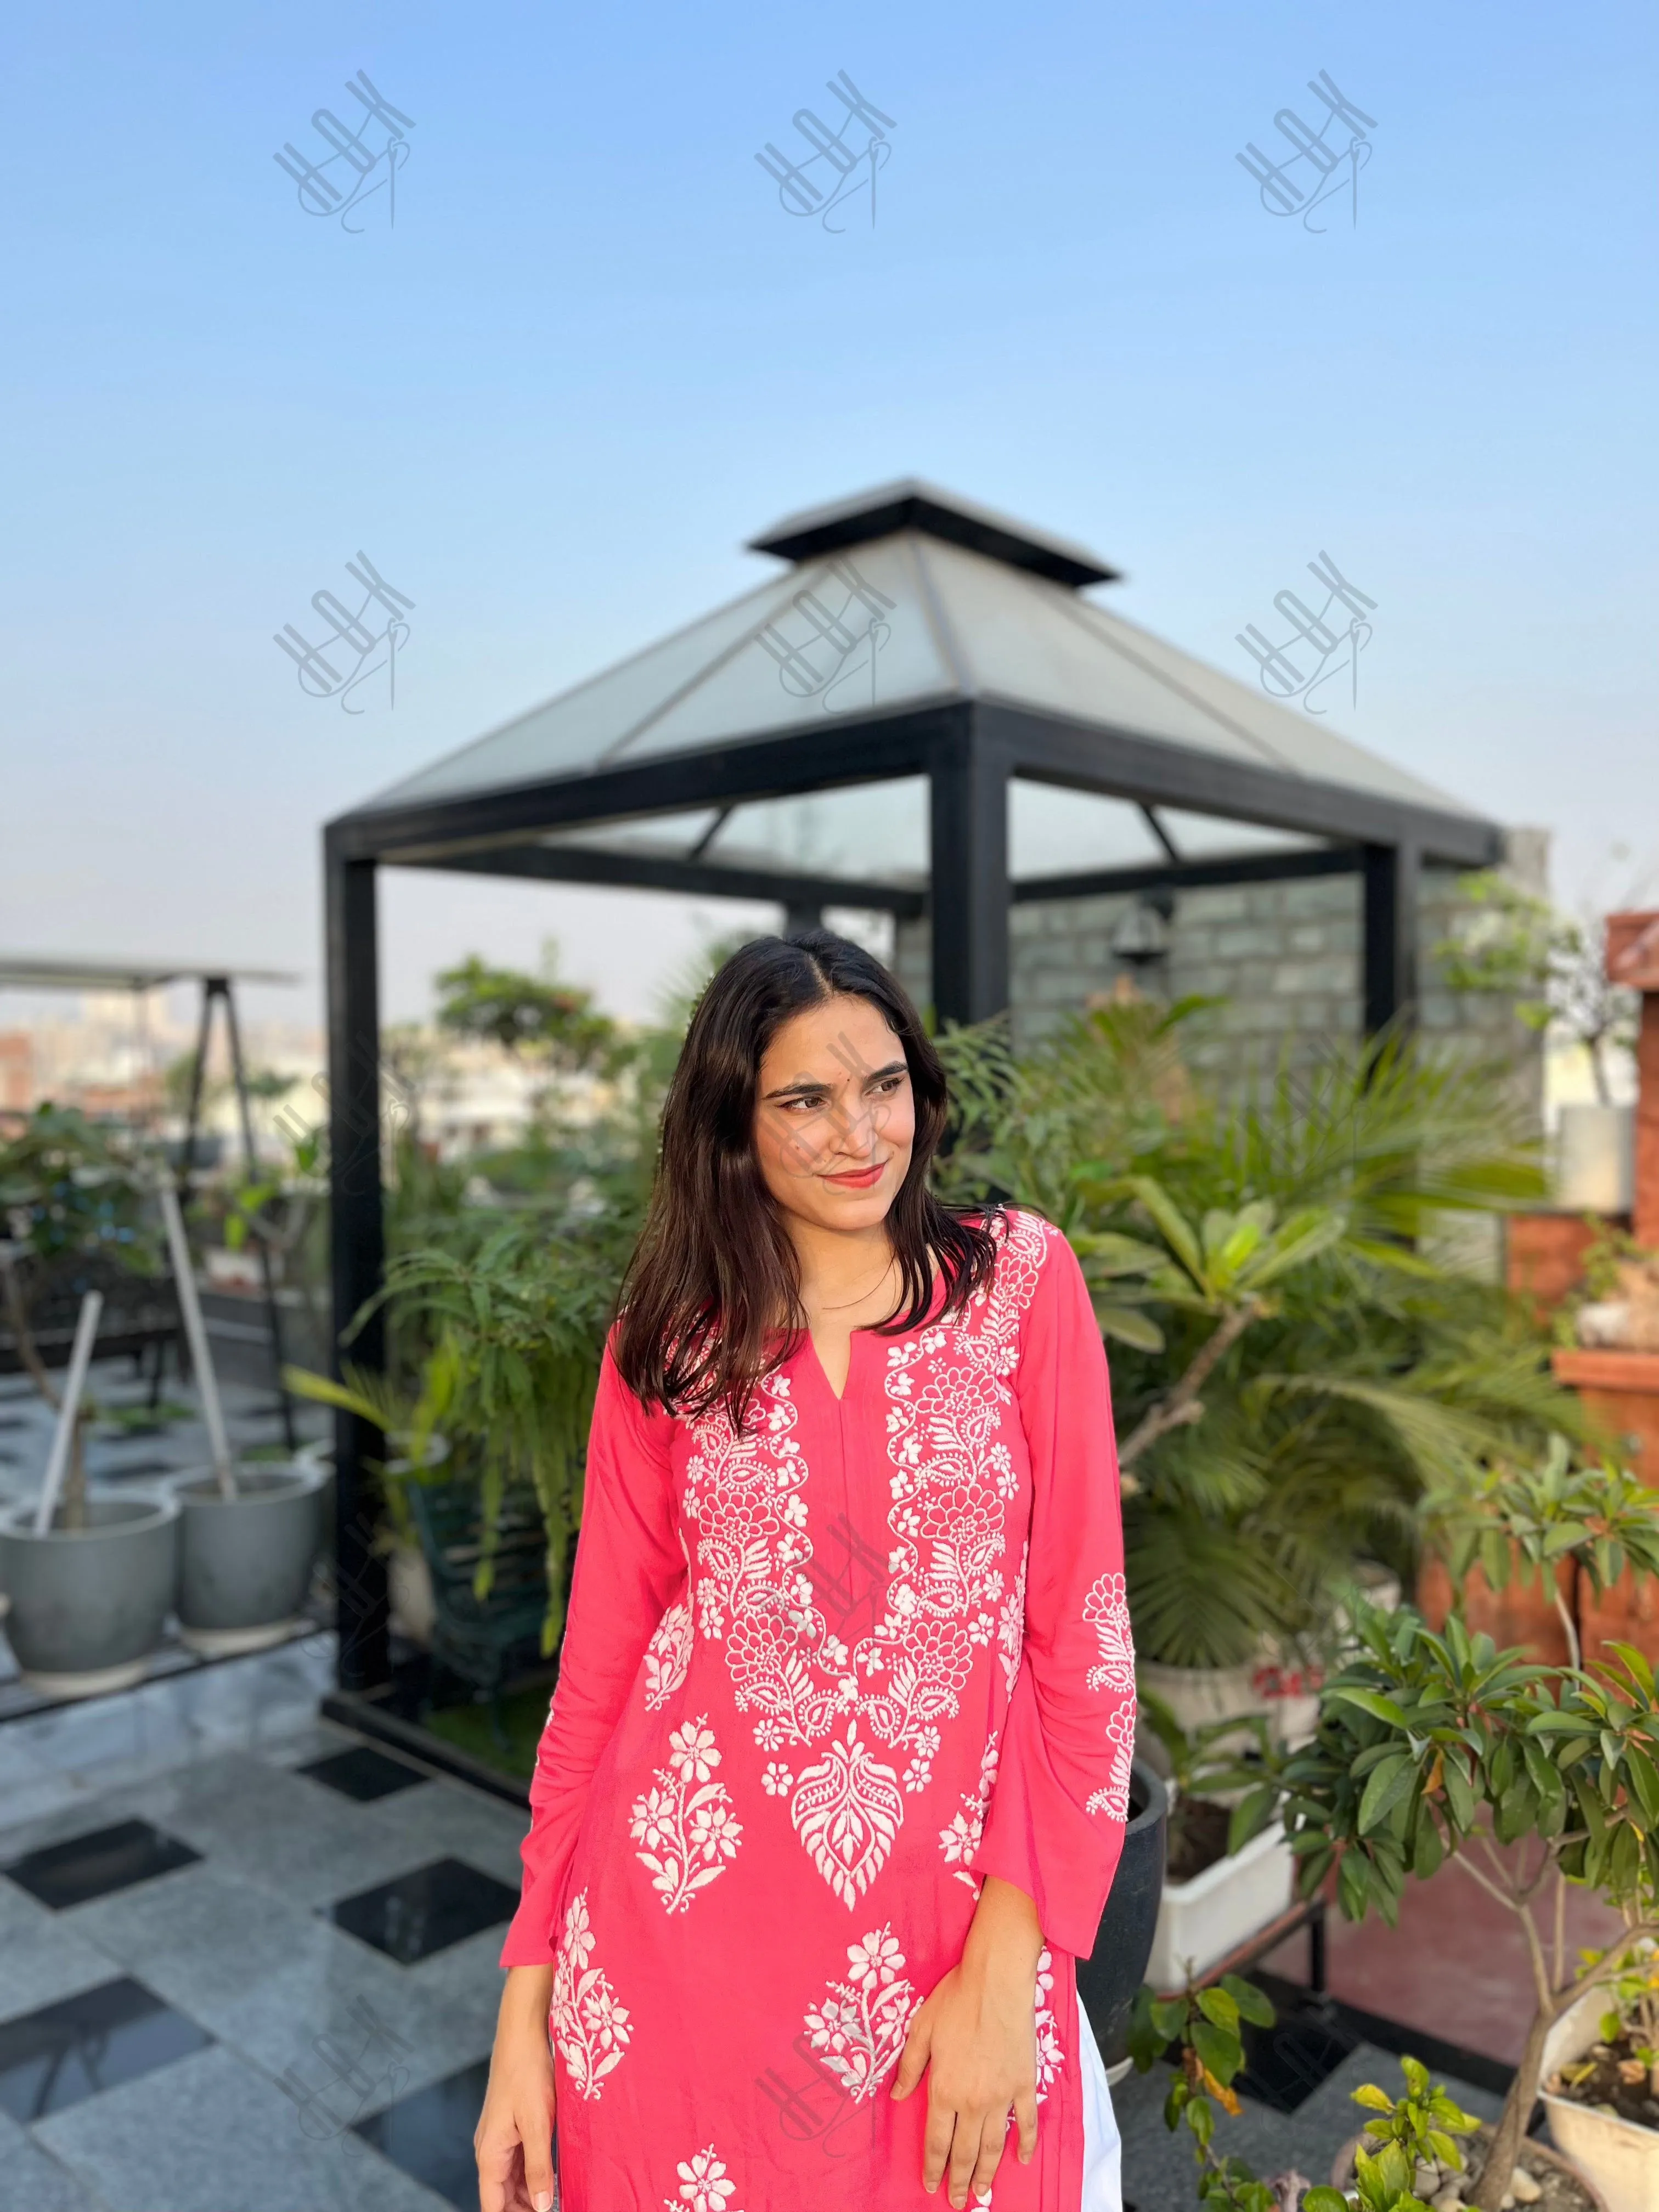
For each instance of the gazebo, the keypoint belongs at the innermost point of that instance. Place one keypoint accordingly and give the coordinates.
(922, 716)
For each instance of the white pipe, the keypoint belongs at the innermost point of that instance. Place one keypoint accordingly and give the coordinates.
(86, 1328)
(190, 1308)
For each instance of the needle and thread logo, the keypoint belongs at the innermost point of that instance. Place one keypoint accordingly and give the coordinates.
(1312, 633)
(844, 638)
(318, 676)
(355, 161)
(851, 166)
(1322, 171)
(808, 1139)
(330, 2109)
(395, 1113)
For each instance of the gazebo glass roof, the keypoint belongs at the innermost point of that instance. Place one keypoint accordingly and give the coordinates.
(899, 622)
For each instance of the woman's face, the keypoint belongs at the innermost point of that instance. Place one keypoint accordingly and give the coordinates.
(834, 1119)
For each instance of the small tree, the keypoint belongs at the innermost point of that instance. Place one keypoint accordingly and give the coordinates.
(1523, 1522)
(536, 1015)
(1551, 963)
(1432, 1747)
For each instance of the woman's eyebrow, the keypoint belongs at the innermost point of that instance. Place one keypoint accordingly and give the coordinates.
(806, 1087)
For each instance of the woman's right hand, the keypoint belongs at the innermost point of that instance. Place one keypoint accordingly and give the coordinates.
(514, 2139)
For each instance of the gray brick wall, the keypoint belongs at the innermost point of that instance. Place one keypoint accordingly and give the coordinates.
(1285, 958)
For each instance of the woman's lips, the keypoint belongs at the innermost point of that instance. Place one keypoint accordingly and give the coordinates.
(860, 1178)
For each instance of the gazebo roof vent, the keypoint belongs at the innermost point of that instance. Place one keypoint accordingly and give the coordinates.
(910, 504)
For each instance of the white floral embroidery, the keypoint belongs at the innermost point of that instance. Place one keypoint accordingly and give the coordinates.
(686, 1822)
(949, 1393)
(1050, 2057)
(704, 2185)
(667, 1657)
(777, 1781)
(590, 2027)
(848, 1810)
(1114, 1799)
(1011, 1625)
(860, 2025)
(961, 1839)
(1106, 1610)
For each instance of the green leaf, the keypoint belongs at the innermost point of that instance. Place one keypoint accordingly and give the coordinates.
(1353, 1886)
(1390, 1781)
(1218, 2005)
(1170, 2016)
(1416, 2073)
(1321, 2197)
(1373, 2099)
(1252, 2003)
(1221, 2053)
(1128, 1325)
(1374, 1703)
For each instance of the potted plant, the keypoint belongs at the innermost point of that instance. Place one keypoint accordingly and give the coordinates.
(1554, 967)
(90, 1591)
(247, 1534)
(1602, 2072)
(1409, 2159)
(1440, 1749)
(1214, 1898)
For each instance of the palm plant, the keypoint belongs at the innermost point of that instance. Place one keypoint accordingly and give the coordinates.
(1292, 1365)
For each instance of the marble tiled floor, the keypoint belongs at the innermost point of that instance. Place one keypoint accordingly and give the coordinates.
(247, 1963)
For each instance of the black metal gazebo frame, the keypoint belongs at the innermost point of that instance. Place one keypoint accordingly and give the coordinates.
(969, 749)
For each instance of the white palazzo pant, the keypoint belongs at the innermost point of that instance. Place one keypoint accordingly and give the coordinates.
(1102, 2147)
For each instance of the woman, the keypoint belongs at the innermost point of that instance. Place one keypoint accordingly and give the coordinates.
(835, 1780)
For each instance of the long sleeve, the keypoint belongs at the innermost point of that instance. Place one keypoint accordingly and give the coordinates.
(1055, 1825)
(630, 1570)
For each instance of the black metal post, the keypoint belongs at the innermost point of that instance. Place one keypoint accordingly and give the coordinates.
(1391, 878)
(970, 878)
(219, 985)
(357, 1252)
(800, 916)
(193, 1110)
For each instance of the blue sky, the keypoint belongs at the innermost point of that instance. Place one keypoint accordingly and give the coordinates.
(594, 355)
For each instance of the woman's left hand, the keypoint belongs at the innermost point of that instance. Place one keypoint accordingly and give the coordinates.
(976, 2038)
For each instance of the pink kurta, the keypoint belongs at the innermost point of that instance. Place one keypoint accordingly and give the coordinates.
(818, 1680)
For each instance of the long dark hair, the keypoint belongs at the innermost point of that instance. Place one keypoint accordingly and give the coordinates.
(715, 1278)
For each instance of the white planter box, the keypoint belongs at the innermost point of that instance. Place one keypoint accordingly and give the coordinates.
(1595, 1159)
(1619, 2157)
(1201, 1921)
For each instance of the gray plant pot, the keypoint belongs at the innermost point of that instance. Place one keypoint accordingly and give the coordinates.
(1108, 1979)
(88, 1607)
(245, 1561)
